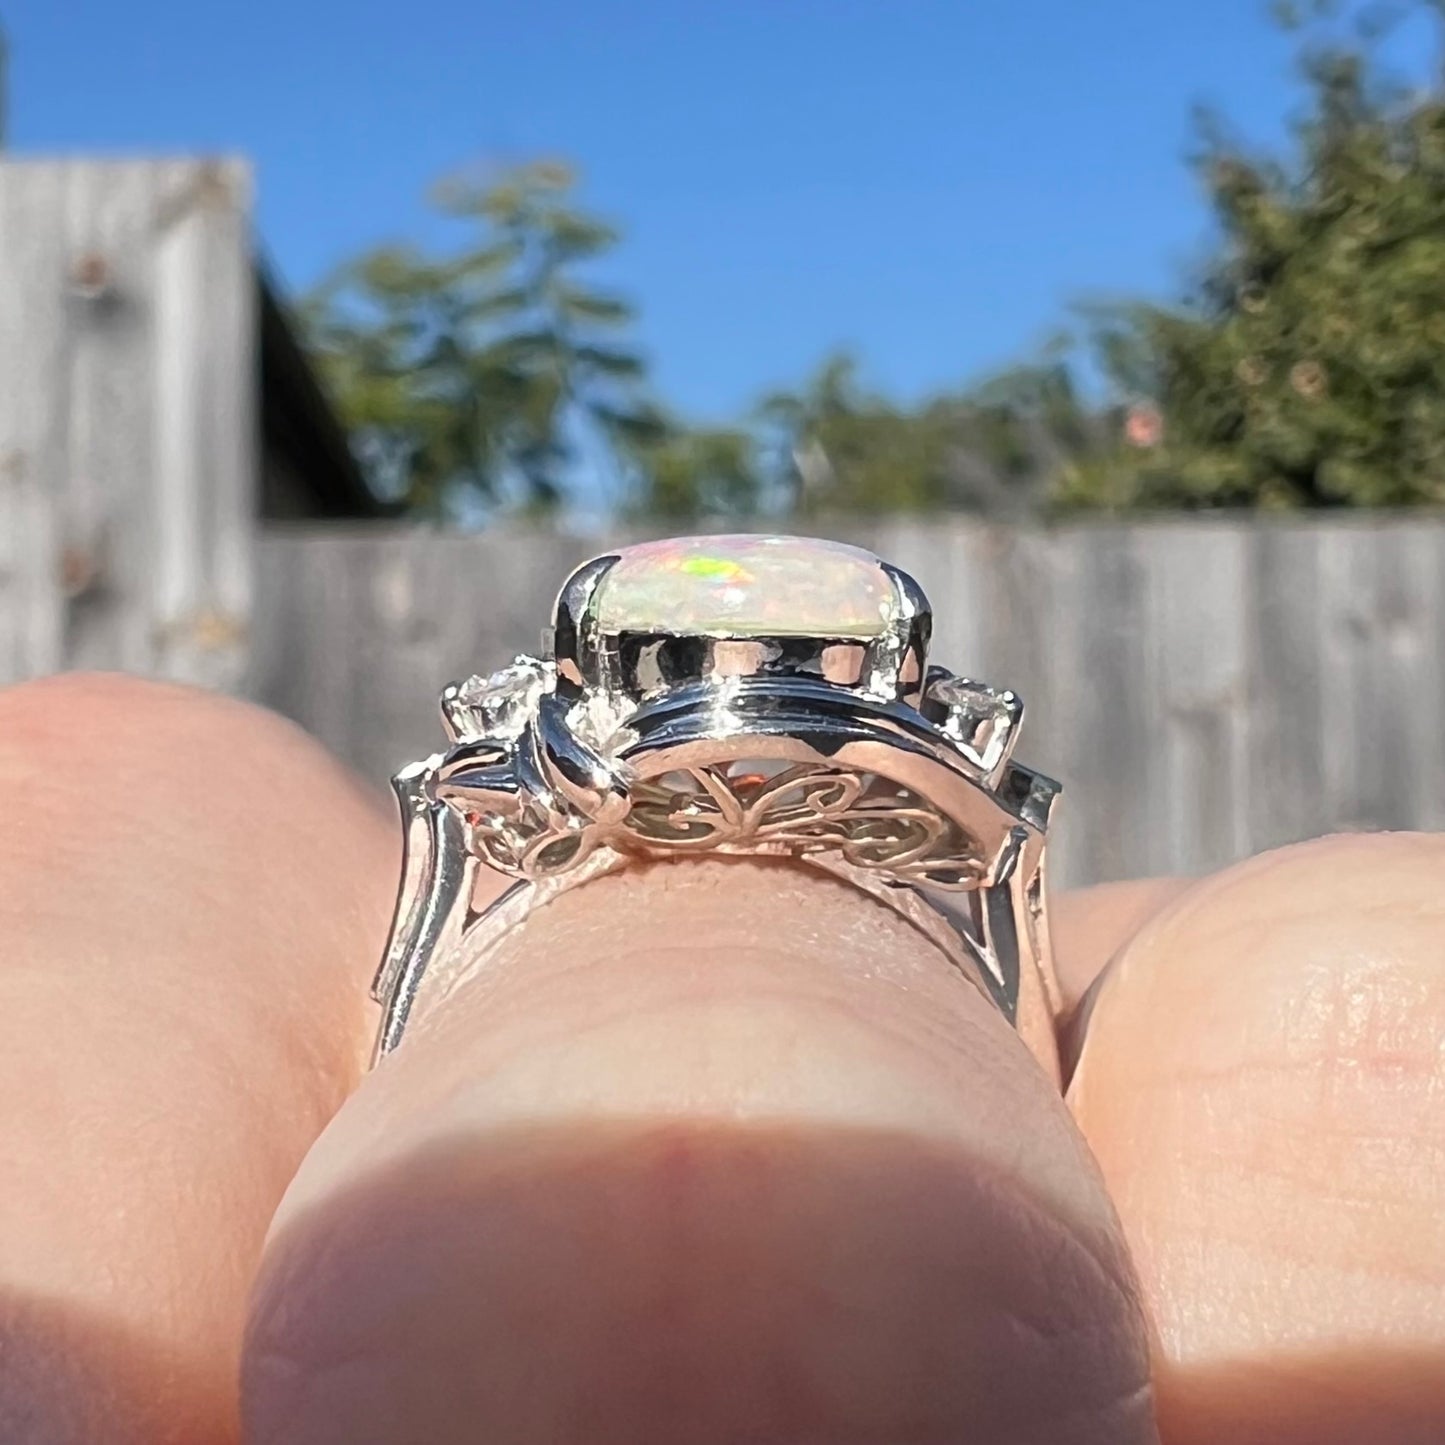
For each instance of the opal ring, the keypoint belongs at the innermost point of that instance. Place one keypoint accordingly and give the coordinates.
(755, 695)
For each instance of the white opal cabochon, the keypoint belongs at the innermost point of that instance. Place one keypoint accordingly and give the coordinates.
(746, 586)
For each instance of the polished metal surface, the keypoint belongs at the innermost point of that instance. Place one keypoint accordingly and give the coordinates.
(850, 755)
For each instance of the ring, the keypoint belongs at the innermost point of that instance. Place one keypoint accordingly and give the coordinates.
(756, 695)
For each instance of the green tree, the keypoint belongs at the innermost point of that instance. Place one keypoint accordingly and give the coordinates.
(686, 473)
(1307, 368)
(482, 372)
(836, 447)
(996, 447)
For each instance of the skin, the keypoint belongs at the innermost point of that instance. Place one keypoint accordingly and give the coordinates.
(765, 1171)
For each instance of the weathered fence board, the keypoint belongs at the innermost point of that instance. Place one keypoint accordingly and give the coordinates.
(1204, 689)
(1285, 627)
(128, 468)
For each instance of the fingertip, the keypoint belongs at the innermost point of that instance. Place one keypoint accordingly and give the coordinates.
(1090, 925)
(192, 894)
(717, 1152)
(1258, 1081)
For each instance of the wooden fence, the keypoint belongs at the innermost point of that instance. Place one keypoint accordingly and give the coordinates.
(128, 416)
(1204, 689)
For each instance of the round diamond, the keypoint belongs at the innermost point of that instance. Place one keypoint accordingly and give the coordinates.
(500, 704)
(981, 719)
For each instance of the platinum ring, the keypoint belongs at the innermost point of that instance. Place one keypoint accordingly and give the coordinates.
(754, 695)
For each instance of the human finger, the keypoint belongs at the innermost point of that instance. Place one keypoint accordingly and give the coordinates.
(1262, 1081)
(188, 906)
(711, 1151)
(1090, 925)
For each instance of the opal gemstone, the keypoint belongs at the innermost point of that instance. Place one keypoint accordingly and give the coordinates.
(746, 586)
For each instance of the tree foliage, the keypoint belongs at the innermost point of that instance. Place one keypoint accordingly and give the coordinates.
(481, 372)
(1307, 369)
(996, 447)
(689, 472)
(1305, 366)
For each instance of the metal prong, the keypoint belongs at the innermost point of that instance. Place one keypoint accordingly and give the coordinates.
(901, 658)
(573, 645)
(450, 703)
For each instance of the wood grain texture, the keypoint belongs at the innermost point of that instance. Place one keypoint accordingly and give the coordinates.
(127, 417)
(1203, 689)
(32, 423)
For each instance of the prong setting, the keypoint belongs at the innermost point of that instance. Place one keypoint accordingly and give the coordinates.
(901, 671)
(497, 705)
(668, 722)
(573, 640)
(982, 720)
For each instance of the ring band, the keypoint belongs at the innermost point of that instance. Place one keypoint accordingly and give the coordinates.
(762, 696)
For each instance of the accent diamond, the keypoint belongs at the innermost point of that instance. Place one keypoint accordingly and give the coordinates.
(982, 720)
(500, 704)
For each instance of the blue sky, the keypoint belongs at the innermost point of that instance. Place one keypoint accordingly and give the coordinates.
(930, 182)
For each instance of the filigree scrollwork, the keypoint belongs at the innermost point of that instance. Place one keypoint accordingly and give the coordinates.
(520, 819)
(807, 808)
(528, 848)
(540, 793)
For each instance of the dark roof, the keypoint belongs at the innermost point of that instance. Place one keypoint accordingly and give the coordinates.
(303, 440)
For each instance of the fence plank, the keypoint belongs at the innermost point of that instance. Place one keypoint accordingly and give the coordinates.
(127, 406)
(205, 425)
(1097, 725)
(1203, 690)
(32, 431)
(103, 282)
(1380, 642)
(1285, 797)
(1200, 695)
